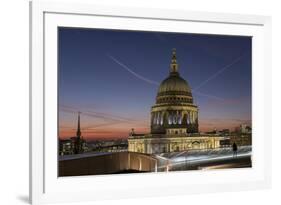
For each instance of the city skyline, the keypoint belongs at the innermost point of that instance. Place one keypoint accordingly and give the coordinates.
(112, 78)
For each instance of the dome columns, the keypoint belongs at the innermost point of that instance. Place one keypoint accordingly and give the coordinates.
(161, 120)
(157, 118)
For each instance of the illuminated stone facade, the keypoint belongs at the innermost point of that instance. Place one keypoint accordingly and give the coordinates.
(154, 143)
(174, 120)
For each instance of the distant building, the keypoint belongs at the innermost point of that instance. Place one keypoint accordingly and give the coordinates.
(65, 147)
(79, 142)
(241, 139)
(244, 128)
(74, 145)
(116, 145)
(174, 120)
(225, 132)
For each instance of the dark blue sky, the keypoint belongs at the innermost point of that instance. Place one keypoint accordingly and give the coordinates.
(96, 76)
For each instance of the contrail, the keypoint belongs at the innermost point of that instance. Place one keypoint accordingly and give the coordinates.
(89, 114)
(96, 114)
(219, 72)
(92, 127)
(162, 38)
(154, 82)
(110, 119)
(132, 72)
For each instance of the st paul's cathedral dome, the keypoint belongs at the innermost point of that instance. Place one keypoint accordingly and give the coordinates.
(174, 106)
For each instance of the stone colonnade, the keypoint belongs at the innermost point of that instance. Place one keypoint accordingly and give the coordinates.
(175, 117)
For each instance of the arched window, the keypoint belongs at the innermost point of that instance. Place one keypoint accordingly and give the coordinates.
(158, 118)
(187, 118)
(170, 120)
(161, 119)
(174, 119)
(191, 118)
(154, 118)
(179, 118)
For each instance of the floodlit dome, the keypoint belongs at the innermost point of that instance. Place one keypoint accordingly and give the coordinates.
(174, 83)
(174, 89)
(174, 108)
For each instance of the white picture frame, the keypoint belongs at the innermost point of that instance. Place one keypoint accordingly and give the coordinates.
(46, 187)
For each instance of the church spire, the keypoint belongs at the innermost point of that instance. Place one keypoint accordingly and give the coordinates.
(174, 65)
(78, 133)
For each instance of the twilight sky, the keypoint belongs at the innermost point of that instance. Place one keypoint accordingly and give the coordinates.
(112, 78)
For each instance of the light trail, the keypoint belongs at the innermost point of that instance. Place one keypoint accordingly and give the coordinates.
(200, 156)
(179, 154)
(197, 160)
